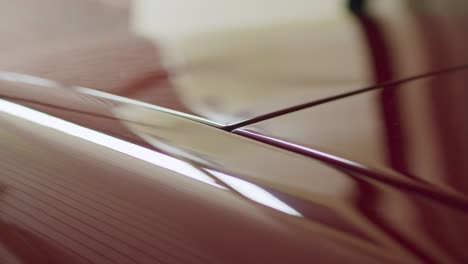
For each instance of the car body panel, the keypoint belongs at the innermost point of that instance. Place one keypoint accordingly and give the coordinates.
(230, 77)
(112, 182)
(108, 152)
(415, 131)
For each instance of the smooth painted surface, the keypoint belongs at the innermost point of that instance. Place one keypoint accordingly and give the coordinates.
(87, 178)
(414, 132)
(100, 181)
(229, 76)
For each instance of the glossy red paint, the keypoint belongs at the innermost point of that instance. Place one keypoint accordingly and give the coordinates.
(229, 78)
(90, 177)
(179, 191)
(415, 132)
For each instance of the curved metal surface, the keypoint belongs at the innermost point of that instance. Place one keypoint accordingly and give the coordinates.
(113, 182)
(90, 176)
(414, 132)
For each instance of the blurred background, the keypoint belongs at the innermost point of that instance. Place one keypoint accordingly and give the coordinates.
(229, 60)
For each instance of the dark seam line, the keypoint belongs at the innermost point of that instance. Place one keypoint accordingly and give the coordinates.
(318, 102)
(234, 126)
(446, 199)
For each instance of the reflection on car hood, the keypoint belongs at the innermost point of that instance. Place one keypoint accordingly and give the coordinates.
(109, 181)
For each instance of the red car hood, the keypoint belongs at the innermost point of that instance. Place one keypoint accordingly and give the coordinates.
(86, 179)
(130, 172)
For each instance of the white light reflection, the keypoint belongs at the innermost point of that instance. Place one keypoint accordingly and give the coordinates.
(255, 193)
(104, 140)
(28, 79)
(121, 99)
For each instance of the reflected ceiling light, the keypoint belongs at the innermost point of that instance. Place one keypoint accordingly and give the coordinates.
(107, 141)
(255, 193)
(27, 79)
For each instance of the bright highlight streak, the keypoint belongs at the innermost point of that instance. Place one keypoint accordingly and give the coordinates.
(104, 140)
(121, 99)
(255, 193)
(27, 79)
